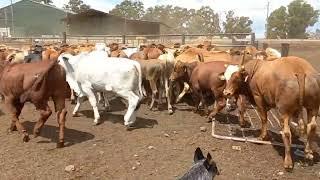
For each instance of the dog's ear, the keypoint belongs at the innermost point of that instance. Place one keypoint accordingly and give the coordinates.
(198, 155)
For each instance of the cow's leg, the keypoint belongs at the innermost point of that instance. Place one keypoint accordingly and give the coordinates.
(168, 95)
(133, 100)
(14, 108)
(241, 103)
(311, 132)
(286, 137)
(77, 107)
(92, 96)
(159, 88)
(61, 118)
(106, 103)
(13, 126)
(153, 87)
(203, 103)
(73, 97)
(184, 91)
(263, 116)
(45, 113)
(220, 102)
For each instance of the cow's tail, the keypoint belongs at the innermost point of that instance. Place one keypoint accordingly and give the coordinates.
(138, 67)
(301, 82)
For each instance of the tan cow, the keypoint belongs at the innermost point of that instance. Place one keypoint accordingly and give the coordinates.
(288, 84)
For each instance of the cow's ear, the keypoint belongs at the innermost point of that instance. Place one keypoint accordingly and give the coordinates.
(65, 58)
(198, 155)
(222, 77)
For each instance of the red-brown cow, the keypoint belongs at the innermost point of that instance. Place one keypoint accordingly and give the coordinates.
(149, 52)
(35, 83)
(288, 84)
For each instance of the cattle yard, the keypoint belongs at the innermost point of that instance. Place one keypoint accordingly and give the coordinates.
(161, 146)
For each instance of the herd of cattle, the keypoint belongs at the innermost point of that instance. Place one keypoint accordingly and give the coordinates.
(234, 77)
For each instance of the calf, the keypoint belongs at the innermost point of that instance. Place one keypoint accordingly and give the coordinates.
(203, 168)
(158, 71)
(36, 83)
(89, 73)
(288, 84)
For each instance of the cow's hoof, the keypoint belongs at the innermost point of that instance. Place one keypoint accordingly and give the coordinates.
(129, 126)
(288, 168)
(36, 134)
(170, 111)
(26, 138)
(107, 109)
(96, 123)
(309, 156)
(75, 115)
(60, 144)
(73, 101)
(245, 124)
(263, 138)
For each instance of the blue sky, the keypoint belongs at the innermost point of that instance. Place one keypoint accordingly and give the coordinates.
(255, 9)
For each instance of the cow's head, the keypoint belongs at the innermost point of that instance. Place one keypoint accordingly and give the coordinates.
(180, 68)
(114, 46)
(235, 76)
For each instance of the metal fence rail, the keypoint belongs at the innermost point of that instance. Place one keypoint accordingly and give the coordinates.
(219, 38)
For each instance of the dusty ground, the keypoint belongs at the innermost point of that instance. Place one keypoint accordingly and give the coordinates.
(109, 151)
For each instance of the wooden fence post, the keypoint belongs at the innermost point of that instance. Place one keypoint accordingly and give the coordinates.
(64, 37)
(253, 40)
(123, 39)
(183, 39)
(284, 49)
(265, 46)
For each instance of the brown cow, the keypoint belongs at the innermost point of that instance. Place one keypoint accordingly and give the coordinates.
(288, 84)
(115, 51)
(147, 53)
(205, 78)
(35, 83)
(155, 72)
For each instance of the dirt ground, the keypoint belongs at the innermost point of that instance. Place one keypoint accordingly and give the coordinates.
(161, 147)
(109, 151)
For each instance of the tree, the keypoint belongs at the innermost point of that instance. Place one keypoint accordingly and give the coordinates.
(234, 24)
(129, 9)
(300, 16)
(204, 21)
(176, 18)
(76, 6)
(277, 24)
(292, 22)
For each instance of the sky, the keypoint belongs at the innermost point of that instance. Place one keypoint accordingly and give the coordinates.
(255, 9)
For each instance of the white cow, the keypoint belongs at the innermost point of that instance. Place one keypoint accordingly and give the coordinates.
(90, 73)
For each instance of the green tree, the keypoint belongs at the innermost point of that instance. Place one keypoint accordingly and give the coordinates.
(292, 22)
(129, 9)
(204, 20)
(176, 18)
(234, 24)
(277, 24)
(300, 16)
(76, 6)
